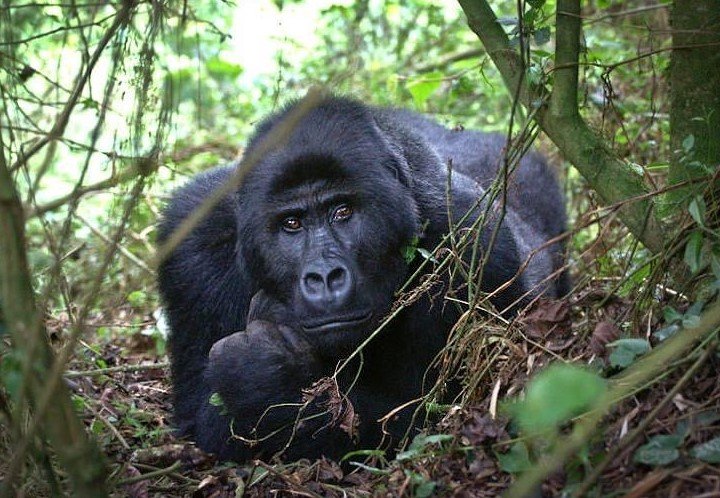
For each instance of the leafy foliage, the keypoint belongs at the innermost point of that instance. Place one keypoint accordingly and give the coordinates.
(555, 395)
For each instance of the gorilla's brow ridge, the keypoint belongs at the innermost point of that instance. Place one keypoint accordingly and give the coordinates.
(319, 194)
(307, 169)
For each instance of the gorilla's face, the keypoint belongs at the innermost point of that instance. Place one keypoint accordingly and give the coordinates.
(326, 235)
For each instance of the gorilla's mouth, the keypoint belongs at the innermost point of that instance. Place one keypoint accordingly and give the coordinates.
(329, 323)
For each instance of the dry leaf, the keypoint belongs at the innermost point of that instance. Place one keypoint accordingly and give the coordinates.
(605, 332)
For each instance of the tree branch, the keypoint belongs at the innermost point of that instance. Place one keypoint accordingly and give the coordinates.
(62, 120)
(564, 100)
(603, 170)
(140, 166)
(450, 59)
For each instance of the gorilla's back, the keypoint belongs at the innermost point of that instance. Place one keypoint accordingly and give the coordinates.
(481, 156)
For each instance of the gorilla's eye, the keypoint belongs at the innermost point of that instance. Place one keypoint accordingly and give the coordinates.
(291, 224)
(342, 213)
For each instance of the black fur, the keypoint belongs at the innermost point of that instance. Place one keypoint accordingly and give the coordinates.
(320, 289)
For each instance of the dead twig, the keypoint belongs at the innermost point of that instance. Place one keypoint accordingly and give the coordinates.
(72, 374)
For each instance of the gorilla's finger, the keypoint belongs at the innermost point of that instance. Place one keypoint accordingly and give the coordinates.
(223, 349)
(264, 307)
(294, 339)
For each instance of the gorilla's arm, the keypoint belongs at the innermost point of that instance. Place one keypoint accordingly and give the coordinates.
(259, 375)
(205, 292)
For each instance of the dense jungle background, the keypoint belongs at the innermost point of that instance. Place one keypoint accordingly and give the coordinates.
(107, 106)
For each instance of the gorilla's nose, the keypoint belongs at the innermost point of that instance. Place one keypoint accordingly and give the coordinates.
(326, 283)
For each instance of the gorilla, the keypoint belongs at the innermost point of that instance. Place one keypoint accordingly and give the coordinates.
(298, 265)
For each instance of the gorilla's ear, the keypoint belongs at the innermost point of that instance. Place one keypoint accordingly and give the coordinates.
(399, 165)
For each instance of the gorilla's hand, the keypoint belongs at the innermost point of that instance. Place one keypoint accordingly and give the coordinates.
(267, 364)
(263, 349)
(266, 308)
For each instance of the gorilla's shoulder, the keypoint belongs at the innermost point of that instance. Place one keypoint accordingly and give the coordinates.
(190, 196)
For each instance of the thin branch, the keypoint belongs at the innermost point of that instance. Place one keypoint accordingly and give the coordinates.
(128, 255)
(115, 179)
(150, 475)
(628, 12)
(450, 59)
(299, 489)
(72, 374)
(55, 31)
(564, 97)
(121, 19)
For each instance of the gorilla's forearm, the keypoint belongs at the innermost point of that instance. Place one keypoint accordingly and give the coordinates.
(262, 408)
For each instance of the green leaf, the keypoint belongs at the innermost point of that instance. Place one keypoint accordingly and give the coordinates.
(557, 394)
(691, 321)
(626, 350)
(516, 460)
(420, 443)
(637, 346)
(660, 450)
(216, 400)
(97, 427)
(695, 309)
(422, 88)
(697, 210)
(715, 266)
(693, 251)
(622, 358)
(410, 250)
(373, 470)
(137, 298)
(529, 18)
(636, 168)
(542, 36)
(427, 255)
(425, 489)
(536, 4)
(707, 452)
(220, 68)
(363, 453)
(658, 166)
(707, 418)
(688, 143)
(682, 429)
(665, 332)
(258, 474)
(671, 314)
(535, 74)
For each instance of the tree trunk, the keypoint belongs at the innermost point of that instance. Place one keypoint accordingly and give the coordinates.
(79, 456)
(694, 93)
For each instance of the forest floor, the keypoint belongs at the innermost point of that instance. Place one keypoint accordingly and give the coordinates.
(127, 406)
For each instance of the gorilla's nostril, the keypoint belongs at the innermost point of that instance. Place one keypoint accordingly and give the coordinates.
(337, 279)
(314, 282)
